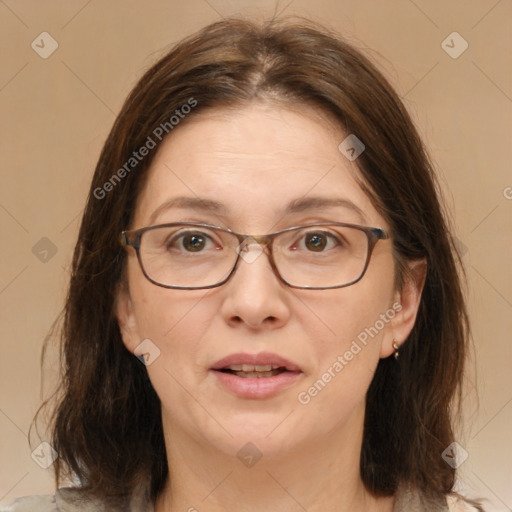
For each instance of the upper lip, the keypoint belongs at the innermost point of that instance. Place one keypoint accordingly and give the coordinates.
(261, 359)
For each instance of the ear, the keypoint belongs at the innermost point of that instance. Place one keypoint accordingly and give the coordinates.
(126, 319)
(406, 304)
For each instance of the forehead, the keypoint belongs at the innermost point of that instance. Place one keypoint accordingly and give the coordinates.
(255, 161)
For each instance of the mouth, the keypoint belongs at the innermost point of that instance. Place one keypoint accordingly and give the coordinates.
(256, 376)
(248, 371)
(264, 364)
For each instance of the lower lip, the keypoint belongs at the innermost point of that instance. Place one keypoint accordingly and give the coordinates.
(257, 387)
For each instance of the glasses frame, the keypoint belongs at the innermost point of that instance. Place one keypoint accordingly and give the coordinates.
(132, 238)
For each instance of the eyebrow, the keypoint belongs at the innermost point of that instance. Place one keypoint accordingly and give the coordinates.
(299, 205)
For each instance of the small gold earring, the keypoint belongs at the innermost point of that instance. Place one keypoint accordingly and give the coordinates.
(396, 346)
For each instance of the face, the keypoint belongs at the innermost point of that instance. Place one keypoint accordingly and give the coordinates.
(255, 162)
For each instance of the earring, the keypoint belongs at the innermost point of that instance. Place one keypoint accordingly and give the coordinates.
(396, 346)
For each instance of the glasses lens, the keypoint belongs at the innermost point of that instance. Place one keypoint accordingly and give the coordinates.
(321, 256)
(187, 256)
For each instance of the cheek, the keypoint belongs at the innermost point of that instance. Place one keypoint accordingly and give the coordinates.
(175, 321)
(352, 336)
(352, 314)
(346, 362)
(354, 321)
(161, 313)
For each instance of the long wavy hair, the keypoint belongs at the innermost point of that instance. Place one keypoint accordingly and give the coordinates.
(106, 424)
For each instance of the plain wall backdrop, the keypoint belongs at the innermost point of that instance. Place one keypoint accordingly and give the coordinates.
(67, 66)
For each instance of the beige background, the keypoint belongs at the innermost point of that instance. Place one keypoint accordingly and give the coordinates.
(56, 113)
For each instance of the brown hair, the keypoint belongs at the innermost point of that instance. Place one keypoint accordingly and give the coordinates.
(107, 424)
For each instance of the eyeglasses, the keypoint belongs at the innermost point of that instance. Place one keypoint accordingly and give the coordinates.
(190, 256)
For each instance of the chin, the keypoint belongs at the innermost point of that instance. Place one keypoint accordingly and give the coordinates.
(266, 433)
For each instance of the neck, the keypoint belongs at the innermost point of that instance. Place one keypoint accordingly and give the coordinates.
(319, 475)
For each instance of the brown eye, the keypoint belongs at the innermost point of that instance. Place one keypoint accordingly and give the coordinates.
(193, 242)
(316, 242)
(185, 242)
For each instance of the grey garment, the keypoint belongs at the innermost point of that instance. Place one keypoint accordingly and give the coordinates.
(72, 500)
(67, 499)
(409, 501)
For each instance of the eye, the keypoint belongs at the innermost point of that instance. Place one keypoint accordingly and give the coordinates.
(318, 241)
(190, 241)
(194, 243)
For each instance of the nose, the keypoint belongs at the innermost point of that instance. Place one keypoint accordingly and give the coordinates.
(255, 296)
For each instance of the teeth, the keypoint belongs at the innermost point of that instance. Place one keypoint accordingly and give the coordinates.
(258, 374)
(251, 371)
(253, 368)
(259, 368)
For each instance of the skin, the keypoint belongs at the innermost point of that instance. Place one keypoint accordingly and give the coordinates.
(255, 160)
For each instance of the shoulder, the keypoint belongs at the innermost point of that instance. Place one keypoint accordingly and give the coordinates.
(40, 503)
(456, 504)
(64, 500)
(409, 499)
(72, 499)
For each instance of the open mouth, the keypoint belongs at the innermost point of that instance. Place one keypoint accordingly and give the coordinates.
(249, 371)
(256, 376)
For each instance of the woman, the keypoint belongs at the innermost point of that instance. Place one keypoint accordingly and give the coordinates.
(265, 310)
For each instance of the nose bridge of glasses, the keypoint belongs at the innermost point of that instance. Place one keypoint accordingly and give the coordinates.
(260, 241)
(251, 247)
